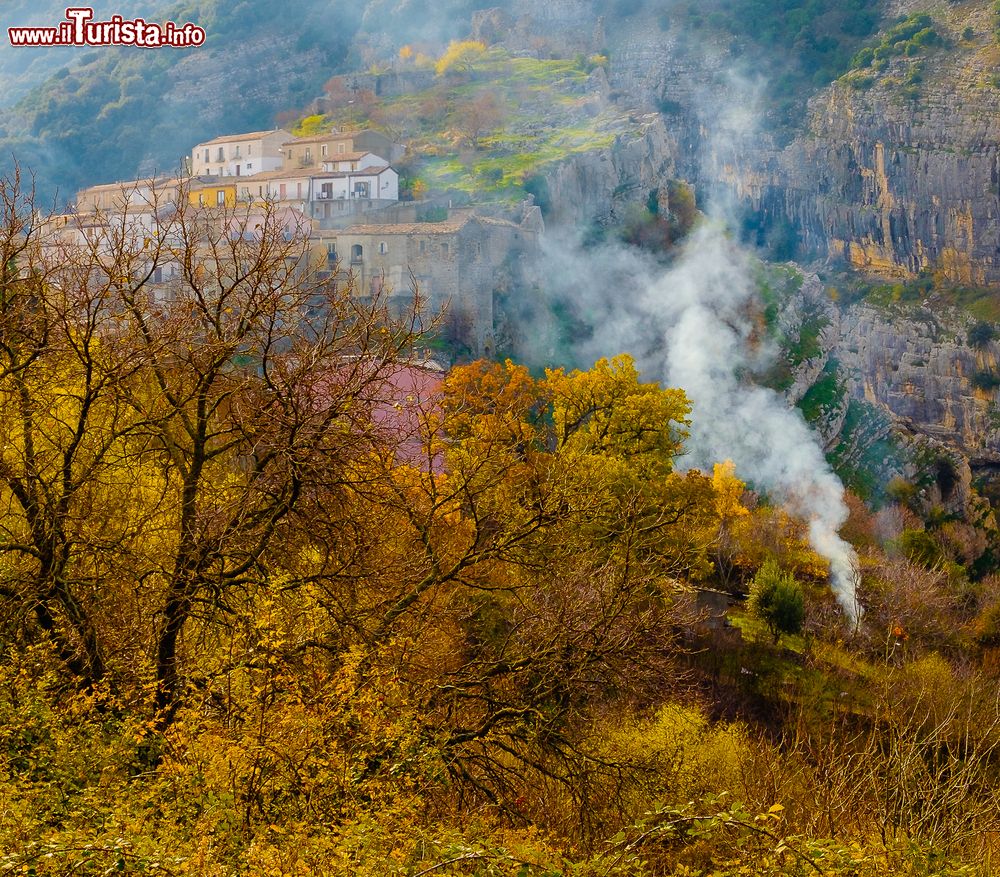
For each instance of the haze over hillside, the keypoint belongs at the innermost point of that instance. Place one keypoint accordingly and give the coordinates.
(576, 453)
(79, 117)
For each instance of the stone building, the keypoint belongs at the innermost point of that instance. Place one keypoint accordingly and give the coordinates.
(127, 195)
(458, 265)
(313, 151)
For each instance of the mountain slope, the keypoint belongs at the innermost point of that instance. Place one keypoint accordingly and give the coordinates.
(113, 113)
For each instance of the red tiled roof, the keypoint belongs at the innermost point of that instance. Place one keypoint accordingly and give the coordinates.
(252, 135)
(447, 227)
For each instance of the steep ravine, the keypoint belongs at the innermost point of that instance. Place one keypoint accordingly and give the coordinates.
(902, 378)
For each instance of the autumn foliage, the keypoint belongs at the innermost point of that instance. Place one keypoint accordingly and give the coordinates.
(242, 633)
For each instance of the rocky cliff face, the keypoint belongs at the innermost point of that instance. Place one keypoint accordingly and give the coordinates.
(921, 370)
(599, 186)
(895, 391)
(899, 175)
(896, 180)
(894, 188)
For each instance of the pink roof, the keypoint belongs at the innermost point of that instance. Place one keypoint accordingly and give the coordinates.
(411, 392)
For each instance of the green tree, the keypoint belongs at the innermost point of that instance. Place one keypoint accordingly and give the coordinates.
(776, 598)
(981, 334)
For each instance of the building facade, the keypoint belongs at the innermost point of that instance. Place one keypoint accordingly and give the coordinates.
(236, 155)
(458, 266)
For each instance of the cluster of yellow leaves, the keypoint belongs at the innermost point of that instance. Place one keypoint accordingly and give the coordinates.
(460, 56)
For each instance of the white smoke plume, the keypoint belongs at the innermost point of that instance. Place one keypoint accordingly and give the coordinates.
(703, 306)
(689, 326)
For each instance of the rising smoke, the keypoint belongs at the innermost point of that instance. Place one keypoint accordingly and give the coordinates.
(701, 305)
(689, 326)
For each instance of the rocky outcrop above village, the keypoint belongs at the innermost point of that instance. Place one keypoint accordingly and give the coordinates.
(893, 187)
(897, 175)
(895, 171)
(598, 186)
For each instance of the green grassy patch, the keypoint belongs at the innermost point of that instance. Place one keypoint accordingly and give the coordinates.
(901, 296)
(867, 454)
(909, 38)
(494, 125)
(825, 396)
(807, 345)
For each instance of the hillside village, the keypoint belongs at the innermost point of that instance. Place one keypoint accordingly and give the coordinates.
(340, 191)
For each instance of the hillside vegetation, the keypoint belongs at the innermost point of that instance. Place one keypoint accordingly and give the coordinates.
(797, 45)
(267, 609)
(479, 120)
(115, 113)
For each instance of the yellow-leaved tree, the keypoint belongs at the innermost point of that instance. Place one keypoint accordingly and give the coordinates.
(460, 56)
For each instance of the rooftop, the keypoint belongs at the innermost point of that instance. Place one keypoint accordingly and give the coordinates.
(373, 169)
(448, 227)
(328, 137)
(252, 135)
(130, 185)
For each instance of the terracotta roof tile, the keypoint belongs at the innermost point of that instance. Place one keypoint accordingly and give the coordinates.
(252, 135)
(328, 137)
(407, 228)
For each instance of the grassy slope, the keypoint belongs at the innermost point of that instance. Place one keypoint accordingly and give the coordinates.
(543, 111)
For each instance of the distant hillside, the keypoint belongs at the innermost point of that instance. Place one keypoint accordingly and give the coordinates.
(79, 117)
(113, 113)
(23, 69)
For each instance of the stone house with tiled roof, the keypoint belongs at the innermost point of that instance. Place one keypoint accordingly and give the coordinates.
(459, 265)
(131, 195)
(312, 151)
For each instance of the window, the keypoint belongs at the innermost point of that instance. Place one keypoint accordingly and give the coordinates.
(331, 251)
(281, 191)
(206, 156)
(324, 150)
(221, 154)
(341, 148)
(361, 190)
(249, 151)
(309, 154)
(298, 190)
(289, 155)
(220, 197)
(383, 248)
(201, 199)
(237, 154)
(326, 190)
(249, 166)
(357, 253)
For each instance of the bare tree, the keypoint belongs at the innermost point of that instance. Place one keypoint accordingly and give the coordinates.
(182, 365)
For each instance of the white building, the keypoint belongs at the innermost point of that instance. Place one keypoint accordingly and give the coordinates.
(362, 189)
(240, 155)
